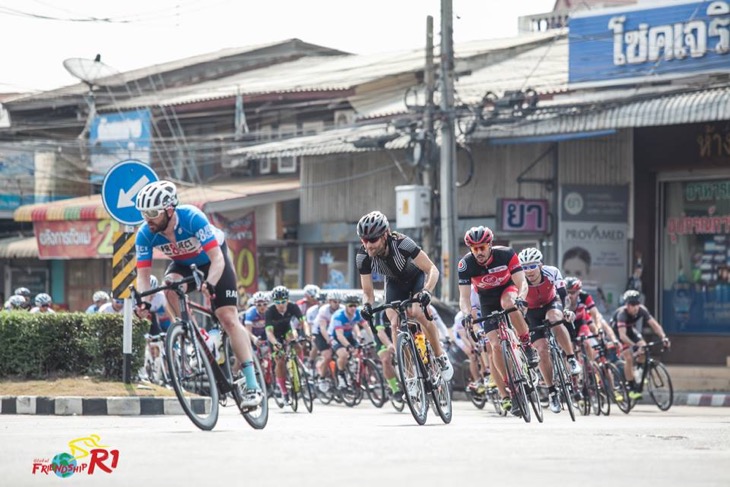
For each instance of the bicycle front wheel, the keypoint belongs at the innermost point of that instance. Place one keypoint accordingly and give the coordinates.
(561, 374)
(306, 390)
(659, 385)
(617, 387)
(516, 381)
(373, 382)
(411, 377)
(257, 417)
(192, 377)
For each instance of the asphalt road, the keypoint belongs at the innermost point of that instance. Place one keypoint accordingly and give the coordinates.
(366, 447)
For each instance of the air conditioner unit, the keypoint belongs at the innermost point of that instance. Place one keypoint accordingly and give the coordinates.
(344, 118)
(287, 164)
(264, 166)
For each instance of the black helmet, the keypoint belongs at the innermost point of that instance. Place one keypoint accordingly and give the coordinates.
(632, 297)
(352, 298)
(280, 293)
(372, 225)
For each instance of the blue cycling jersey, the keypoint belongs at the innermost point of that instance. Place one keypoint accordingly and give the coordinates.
(340, 321)
(194, 235)
(256, 320)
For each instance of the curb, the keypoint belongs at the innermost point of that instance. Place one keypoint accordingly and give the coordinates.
(702, 399)
(95, 406)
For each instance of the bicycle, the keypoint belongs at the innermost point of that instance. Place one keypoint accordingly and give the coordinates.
(154, 364)
(561, 377)
(366, 376)
(194, 372)
(521, 379)
(595, 394)
(419, 374)
(297, 381)
(655, 376)
(612, 378)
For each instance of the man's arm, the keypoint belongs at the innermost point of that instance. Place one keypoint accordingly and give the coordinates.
(657, 327)
(340, 334)
(432, 273)
(521, 282)
(366, 282)
(217, 264)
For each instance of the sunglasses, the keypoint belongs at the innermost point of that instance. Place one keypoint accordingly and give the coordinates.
(478, 248)
(352, 306)
(261, 304)
(151, 214)
(280, 301)
(530, 267)
(369, 240)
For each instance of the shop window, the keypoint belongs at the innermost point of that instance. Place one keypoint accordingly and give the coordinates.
(695, 257)
(327, 267)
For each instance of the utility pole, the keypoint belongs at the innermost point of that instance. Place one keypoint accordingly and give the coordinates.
(449, 290)
(428, 137)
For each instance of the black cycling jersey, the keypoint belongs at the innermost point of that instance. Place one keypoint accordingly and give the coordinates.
(397, 265)
(281, 323)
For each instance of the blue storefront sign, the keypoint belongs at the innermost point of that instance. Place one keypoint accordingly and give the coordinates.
(117, 137)
(630, 43)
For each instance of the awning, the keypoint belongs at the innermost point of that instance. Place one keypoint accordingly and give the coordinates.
(19, 248)
(709, 105)
(210, 198)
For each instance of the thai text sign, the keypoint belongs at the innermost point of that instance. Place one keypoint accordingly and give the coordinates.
(519, 215)
(81, 239)
(633, 43)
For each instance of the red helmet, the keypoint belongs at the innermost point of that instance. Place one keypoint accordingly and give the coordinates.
(478, 236)
(573, 284)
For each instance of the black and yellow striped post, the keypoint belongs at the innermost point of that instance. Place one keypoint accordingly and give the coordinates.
(124, 264)
(124, 272)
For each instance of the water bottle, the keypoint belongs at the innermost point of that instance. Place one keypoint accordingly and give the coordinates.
(421, 345)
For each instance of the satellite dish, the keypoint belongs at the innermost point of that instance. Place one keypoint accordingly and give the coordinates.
(91, 71)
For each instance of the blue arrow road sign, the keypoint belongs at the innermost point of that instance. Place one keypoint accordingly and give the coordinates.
(120, 187)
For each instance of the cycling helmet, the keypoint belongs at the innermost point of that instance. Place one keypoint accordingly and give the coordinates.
(632, 297)
(22, 291)
(372, 225)
(100, 296)
(153, 282)
(478, 236)
(352, 298)
(260, 297)
(311, 290)
(334, 296)
(322, 297)
(159, 195)
(280, 293)
(530, 255)
(573, 284)
(16, 302)
(43, 299)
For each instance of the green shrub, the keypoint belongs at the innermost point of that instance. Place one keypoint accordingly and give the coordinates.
(40, 345)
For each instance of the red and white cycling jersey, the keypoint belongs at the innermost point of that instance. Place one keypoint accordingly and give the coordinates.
(544, 292)
(493, 277)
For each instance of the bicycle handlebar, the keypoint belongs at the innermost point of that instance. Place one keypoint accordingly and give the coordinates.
(401, 306)
(495, 315)
(197, 276)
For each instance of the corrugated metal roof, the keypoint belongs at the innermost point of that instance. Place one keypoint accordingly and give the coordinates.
(325, 73)
(337, 141)
(92, 208)
(671, 109)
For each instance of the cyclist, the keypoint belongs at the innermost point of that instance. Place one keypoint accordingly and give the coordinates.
(499, 280)
(587, 317)
(320, 325)
(184, 234)
(15, 303)
(23, 292)
(471, 348)
(408, 272)
(116, 306)
(280, 330)
(99, 298)
(624, 322)
(43, 303)
(344, 334)
(253, 318)
(546, 299)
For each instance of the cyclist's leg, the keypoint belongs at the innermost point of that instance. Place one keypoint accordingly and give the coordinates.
(507, 301)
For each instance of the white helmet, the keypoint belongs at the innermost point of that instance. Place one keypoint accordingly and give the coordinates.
(530, 255)
(158, 195)
(43, 299)
(16, 302)
(260, 297)
(312, 291)
(100, 296)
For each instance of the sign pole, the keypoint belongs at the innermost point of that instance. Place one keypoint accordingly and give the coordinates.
(124, 272)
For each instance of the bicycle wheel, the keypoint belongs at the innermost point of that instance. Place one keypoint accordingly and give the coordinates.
(604, 393)
(414, 389)
(561, 375)
(618, 391)
(516, 381)
(192, 377)
(590, 390)
(478, 400)
(440, 391)
(257, 417)
(292, 383)
(306, 392)
(531, 375)
(659, 385)
(371, 379)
